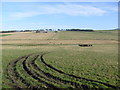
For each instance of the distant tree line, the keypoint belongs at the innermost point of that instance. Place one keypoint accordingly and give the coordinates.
(7, 31)
(86, 30)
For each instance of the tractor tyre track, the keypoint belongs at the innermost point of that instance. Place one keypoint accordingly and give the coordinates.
(76, 85)
(35, 77)
(44, 75)
(16, 74)
(28, 63)
(43, 78)
(90, 80)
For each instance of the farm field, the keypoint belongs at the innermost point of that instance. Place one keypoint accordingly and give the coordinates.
(54, 60)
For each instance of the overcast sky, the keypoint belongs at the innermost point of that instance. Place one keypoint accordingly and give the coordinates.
(37, 15)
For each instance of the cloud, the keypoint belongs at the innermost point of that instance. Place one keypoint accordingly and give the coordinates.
(67, 9)
(114, 9)
(20, 15)
(73, 9)
(60, 0)
(110, 8)
(33, 26)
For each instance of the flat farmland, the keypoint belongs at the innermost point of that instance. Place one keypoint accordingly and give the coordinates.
(54, 60)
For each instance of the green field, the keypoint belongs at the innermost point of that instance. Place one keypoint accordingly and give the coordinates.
(54, 60)
(1, 35)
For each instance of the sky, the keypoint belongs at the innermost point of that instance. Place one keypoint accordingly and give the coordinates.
(59, 15)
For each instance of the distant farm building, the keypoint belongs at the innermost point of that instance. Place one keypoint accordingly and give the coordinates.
(41, 31)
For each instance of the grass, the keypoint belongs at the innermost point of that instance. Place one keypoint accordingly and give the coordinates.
(99, 62)
(95, 64)
(2, 35)
(97, 35)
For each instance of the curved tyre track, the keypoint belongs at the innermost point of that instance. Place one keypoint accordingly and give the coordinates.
(43, 79)
(15, 73)
(35, 77)
(76, 85)
(55, 69)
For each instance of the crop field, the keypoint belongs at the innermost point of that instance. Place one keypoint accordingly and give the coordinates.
(54, 60)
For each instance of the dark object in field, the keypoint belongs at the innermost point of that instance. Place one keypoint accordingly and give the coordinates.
(85, 45)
